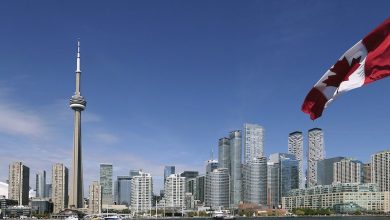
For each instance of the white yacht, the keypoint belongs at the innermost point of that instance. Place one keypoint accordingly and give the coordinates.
(222, 214)
(113, 217)
(72, 217)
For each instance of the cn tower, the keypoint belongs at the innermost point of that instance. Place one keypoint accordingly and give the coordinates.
(78, 104)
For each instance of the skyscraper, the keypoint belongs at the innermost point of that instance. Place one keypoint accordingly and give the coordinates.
(141, 192)
(380, 169)
(295, 146)
(190, 180)
(253, 141)
(49, 189)
(235, 168)
(95, 198)
(78, 104)
(168, 170)
(200, 188)
(60, 181)
(273, 171)
(210, 166)
(191, 186)
(316, 152)
(224, 153)
(123, 190)
(219, 184)
(174, 190)
(255, 181)
(286, 173)
(106, 183)
(367, 173)
(19, 179)
(40, 184)
(348, 171)
(325, 170)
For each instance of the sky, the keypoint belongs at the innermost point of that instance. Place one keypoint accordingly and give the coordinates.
(164, 80)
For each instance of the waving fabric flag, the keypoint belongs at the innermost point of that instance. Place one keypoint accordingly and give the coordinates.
(367, 61)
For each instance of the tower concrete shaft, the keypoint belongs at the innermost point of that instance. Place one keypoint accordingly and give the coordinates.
(78, 104)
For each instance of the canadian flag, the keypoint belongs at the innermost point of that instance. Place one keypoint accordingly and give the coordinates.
(367, 61)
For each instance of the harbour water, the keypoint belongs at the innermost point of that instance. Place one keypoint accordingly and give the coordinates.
(299, 218)
(265, 218)
(325, 218)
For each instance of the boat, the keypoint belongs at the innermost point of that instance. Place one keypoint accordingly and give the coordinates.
(230, 217)
(217, 214)
(222, 215)
(113, 217)
(72, 217)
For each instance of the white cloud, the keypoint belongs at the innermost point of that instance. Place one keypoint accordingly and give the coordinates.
(91, 117)
(4, 189)
(16, 120)
(105, 138)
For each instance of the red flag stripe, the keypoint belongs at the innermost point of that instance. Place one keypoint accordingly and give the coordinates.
(377, 36)
(377, 64)
(314, 103)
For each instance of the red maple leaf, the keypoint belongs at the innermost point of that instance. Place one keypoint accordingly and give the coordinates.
(342, 70)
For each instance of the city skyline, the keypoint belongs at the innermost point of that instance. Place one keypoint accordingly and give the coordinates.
(160, 97)
(327, 170)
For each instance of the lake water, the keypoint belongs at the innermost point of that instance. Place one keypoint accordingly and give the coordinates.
(300, 218)
(326, 218)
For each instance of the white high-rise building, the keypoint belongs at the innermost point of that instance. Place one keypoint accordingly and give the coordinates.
(219, 185)
(141, 193)
(316, 152)
(60, 194)
(95, 198)
(19, 178)
(174, 190)
(348, 171)
(253, 141)
(380, 170)
(295, 146)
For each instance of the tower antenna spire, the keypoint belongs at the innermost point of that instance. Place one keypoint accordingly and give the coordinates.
(78, 56)
(78, 70)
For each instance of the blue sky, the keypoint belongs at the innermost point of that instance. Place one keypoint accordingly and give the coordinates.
(164, 80)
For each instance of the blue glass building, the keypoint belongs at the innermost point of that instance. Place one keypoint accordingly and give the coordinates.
(285, 167)
(123, 187)
(235, 168)
(168, 170)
